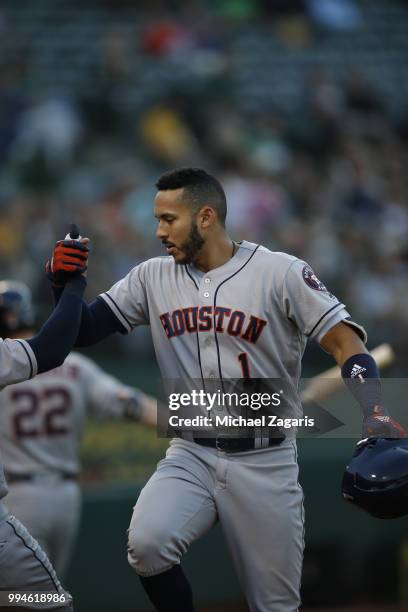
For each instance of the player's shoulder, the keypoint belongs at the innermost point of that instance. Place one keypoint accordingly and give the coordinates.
(152, 265)
(275, 262)
(161, 261)
(156, 270)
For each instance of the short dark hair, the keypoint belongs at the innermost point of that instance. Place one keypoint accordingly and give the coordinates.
(200, 188)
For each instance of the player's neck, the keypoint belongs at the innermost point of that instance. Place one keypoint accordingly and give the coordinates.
(215, 253)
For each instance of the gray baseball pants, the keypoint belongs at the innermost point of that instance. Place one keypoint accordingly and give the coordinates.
(257, 499)
(49, 508)
(25, 567)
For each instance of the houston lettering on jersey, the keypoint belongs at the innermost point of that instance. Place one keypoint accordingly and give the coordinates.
(204, 318)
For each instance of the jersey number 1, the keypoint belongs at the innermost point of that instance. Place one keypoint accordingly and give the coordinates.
(243, 359)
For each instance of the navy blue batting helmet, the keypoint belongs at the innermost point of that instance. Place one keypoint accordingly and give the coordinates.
(376, 478)
(16, 308)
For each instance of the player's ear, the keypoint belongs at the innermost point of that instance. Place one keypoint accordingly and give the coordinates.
(206, 217)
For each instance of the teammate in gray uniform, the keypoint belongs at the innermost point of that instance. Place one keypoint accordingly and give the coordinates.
(224, 310)
(23, 564)
(42, 422)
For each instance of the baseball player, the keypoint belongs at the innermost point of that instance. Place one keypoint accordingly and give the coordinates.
(41, 426)
(223, 310)
(26, 576)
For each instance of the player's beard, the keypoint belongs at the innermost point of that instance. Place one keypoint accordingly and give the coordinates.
(193, 245)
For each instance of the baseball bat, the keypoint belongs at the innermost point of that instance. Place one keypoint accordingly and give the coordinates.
(324, 385)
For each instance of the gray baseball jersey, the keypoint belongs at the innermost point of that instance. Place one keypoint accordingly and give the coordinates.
(17, 362)
(262, 303)
(250, 317)
(25, 566)
(41, 426)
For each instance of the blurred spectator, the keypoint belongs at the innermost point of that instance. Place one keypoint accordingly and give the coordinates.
(51, 127)
(335, 14)
(360, 95)
(167, 137)
(167, 38)
(11, 107)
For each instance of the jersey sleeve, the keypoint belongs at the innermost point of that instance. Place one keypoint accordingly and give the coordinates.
(17, 362)
(310, 305)
(105, 395)
(127, 299)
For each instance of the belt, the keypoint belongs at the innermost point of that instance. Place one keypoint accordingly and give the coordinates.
(235, 445)
(32, 477)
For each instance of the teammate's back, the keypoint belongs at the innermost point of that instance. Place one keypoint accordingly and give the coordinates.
(42, 420)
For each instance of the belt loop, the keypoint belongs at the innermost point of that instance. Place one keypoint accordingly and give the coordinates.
(258, 438)
(265, 438)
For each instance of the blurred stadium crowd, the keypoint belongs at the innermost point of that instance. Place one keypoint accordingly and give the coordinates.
(298, 106)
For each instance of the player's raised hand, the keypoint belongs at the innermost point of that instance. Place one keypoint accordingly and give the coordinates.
(69, 257)
(380, 424)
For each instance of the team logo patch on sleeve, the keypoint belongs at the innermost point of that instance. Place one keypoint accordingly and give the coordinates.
(313, 282)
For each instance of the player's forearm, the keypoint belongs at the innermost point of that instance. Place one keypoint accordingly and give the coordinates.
(149, 411)
(137, 406)
(93, 326)
(57, 336)
(361, 376)
(358, 368)
(141, 408)
(97, 322)
(57, 292)
(342, 342)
